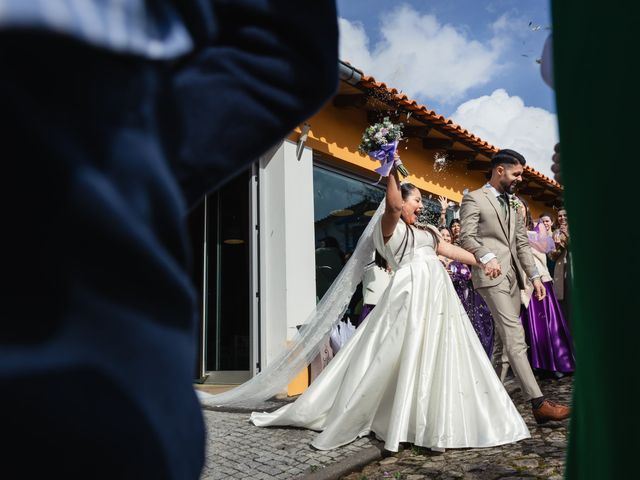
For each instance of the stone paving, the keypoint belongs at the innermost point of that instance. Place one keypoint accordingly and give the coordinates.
(540, 457)
(236, 449)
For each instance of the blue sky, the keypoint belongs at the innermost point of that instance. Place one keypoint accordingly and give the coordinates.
(471, 60)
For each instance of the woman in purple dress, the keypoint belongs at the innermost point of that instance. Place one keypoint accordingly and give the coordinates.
(546, 329)
(473, 303)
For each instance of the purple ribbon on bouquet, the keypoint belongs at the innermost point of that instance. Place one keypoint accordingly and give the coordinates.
(385, 156)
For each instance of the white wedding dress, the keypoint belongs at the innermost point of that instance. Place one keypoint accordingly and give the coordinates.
(414, 371)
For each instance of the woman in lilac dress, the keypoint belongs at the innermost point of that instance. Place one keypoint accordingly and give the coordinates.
(473, 303)
(546, 329)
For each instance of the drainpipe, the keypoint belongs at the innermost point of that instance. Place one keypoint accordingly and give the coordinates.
(349, 74)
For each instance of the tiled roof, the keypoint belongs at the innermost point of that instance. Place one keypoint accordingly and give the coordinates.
(446, 125)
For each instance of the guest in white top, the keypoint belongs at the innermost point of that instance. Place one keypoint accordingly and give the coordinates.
(374, 282)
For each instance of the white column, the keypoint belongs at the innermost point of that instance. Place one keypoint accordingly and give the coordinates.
(287, 245)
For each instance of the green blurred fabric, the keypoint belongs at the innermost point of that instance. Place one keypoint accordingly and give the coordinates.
(595, 57)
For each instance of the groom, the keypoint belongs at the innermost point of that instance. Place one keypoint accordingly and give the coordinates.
(492, 231)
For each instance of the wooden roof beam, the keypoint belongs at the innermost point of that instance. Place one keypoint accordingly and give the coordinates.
(411, 131)
(437, 143)
(355, 100)
(376, 116)
(462, 155)
(478, 165)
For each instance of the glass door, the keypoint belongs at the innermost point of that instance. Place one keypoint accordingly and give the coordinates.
(222, 248)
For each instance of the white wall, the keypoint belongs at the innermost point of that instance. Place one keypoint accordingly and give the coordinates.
(287, 245)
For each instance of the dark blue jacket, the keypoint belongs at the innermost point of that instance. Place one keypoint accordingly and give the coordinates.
(102, 154)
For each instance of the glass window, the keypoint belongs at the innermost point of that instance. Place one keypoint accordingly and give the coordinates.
(343, 206)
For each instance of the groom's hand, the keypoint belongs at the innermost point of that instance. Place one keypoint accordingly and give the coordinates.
(540, 291)
(492, 268)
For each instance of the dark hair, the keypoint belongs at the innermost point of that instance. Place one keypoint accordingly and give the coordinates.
(454, 220)
(380, 261)
(506, 156)
(444, 227)
(545, 214)
(406, 189)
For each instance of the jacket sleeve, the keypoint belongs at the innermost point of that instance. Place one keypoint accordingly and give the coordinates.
(469, 223)
(270, 65)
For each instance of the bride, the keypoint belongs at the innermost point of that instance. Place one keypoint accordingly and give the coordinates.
(415, 370)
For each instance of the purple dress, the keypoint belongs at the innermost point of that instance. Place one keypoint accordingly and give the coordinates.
(475, 306)
(366, 310)
(545, 327)
(547, 334)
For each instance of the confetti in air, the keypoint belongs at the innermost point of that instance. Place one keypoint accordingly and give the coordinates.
(440, 162)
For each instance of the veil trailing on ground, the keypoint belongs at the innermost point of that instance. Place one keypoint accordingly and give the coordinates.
(304, 347)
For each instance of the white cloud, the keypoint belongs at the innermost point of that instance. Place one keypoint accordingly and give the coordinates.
(506, 122)
(354, 44)
(422, 57)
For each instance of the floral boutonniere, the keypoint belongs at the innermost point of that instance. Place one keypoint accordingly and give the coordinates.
(515, 203)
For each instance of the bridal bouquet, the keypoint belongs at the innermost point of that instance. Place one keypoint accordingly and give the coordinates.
(380, 142)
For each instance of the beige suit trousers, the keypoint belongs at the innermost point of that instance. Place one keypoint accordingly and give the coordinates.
(504, 302)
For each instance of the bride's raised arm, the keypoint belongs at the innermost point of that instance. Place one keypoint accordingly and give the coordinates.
(456, 253)
(393, 209)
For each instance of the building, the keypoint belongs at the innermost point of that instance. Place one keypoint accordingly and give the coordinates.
(265, 243)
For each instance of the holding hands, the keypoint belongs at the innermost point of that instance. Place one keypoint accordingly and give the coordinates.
(492, 268)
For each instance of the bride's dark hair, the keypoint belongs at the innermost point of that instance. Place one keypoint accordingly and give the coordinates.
(380, 261)
(407, 189)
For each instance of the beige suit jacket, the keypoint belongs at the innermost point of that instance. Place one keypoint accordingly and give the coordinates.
(485, 230)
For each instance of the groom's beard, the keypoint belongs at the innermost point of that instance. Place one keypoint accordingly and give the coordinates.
(510, 188)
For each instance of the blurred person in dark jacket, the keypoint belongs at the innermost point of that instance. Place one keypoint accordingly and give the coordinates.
(119, 116)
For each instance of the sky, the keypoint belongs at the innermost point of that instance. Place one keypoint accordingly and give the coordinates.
(473, 61)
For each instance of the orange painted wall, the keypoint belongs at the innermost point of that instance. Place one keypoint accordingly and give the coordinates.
(337, 132)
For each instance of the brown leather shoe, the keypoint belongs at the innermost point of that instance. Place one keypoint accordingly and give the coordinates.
(551, 411)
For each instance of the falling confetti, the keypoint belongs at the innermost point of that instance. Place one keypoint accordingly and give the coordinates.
(534, 27)
(439, 162)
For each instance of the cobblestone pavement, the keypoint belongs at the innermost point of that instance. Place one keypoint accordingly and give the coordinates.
(236, 449)
(541, 457)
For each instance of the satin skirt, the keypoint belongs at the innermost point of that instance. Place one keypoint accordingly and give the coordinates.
(547, 334)
(414, 372)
